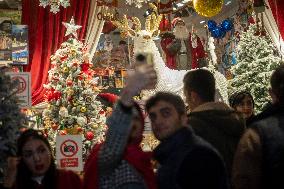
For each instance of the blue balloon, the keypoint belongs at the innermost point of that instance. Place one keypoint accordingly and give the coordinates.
(218, 32)
(227, 25)
(211, 25)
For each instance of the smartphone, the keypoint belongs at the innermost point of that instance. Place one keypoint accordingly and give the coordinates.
(145, 57)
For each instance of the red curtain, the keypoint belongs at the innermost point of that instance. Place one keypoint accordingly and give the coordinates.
(277, 8)
(46, 33)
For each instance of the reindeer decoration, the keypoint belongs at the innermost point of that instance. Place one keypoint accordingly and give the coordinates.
(168, 80)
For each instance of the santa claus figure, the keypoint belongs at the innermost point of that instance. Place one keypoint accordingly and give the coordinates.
(184, 50)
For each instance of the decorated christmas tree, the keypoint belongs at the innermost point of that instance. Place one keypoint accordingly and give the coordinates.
(257, 58)
(11, 119)
(71, 95)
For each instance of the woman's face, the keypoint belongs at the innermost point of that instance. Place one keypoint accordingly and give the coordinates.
(246, 107)
(36, 156)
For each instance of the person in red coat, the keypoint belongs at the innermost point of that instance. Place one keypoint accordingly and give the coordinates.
(34, 167)
(184, 50)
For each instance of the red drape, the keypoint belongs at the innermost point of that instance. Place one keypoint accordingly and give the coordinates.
(277, 8)
(46, 33)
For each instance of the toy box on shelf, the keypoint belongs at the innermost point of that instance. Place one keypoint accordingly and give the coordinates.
(111, 78)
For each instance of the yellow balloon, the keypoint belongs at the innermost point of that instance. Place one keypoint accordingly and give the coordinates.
(208, 8)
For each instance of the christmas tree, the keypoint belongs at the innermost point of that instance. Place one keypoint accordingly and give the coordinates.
(71, 95)
(257, 58)
(11, 119)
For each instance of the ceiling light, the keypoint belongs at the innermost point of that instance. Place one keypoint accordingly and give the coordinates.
(202, 21)
(180, 4)
(228, 3)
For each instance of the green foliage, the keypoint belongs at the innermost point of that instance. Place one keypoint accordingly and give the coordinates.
(11, 119)
(257, 58)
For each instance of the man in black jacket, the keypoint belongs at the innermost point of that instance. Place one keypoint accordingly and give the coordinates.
(186, 161)
(259, 160)
(215, 122)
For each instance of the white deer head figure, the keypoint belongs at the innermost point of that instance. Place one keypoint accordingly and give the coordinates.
(143, 39)
(168, 80)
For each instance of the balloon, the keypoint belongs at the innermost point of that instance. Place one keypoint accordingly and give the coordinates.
(218, 33)
(208, 8)
(227, 25)
(211, 25)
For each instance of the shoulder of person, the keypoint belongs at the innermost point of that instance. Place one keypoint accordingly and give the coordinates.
(68, 174)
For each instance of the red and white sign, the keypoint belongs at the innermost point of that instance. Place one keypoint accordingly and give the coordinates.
(69, 152)
(24, 88)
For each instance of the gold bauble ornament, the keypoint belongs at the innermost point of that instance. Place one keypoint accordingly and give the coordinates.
(72, 130)
(70, 91)
(208, 8)
(83, 109)
(65, 69)
(74, 102)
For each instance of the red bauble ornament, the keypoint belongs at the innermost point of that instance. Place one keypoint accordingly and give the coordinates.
(69, 82)
(85, 67)
(165, 25)
(63, 132)
(102, 112)
(75, 64)
(79, 129)
(63, 58)
(89, 135)
(57, 95)
(80, 76)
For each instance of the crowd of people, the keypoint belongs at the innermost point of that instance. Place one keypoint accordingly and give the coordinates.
(213, 146)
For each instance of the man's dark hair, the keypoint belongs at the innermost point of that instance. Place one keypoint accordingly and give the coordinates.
(122, 42)
(277, 83)
(173, 99)
(202, 82)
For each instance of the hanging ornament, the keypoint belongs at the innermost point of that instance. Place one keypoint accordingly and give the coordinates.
(54, 5)
(89, 135)
(71, 28)
(83, 109)
(88, 99)
(65, 70)
(70, 91)
(55, 76)
(82, 121)
(74, 102)
(165, 25)
(79, 129)
(63, 132)
(208, 8)
(69, 82)
(63, 112)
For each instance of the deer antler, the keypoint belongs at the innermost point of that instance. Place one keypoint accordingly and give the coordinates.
(124, 26)
(153, 21)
